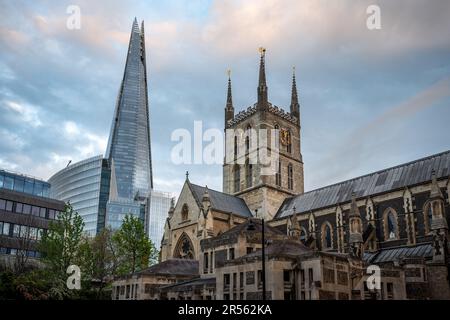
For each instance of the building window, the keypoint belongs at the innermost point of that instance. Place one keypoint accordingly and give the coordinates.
(286, 275)
(289, 143)
(127, 296)
(19, 207)
(237, 178)
(184, 248)
(136, 291)
(303, 235)
(327, 236)
(278, 175)
(260, 278)
(249, 174)
(205, 262)
(234, 280)
(277, 136)
(9, 206)
(290, 177)
(427, 215)
(310, 277)
(184, 212)
(231, 254)
(235, 146)
(390, 225)
(241, 280)
(226, 281)
(390, 290)
(249, 250)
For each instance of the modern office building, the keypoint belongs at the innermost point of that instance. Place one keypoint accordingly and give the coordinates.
(21, 183)
(85, 185)
(25, 213)
(159, 207)
(129, 151)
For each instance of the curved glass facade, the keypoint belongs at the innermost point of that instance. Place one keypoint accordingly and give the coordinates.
(85, 185)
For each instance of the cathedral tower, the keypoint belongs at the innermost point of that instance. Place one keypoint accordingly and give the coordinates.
(263, 162)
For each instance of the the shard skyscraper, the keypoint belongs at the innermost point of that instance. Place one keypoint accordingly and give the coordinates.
(129, 150)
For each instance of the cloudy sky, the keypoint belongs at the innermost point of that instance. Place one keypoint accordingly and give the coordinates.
(369, 98)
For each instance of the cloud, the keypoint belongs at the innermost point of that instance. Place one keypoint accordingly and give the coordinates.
(25, 112)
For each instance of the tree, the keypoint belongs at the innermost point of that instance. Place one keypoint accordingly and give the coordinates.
(134, 250)
(97, 262)
(60, 246)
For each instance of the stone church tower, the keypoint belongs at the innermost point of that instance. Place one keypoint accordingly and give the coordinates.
(263, 161)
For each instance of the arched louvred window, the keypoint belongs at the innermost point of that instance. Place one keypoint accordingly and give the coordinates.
(427, 216)
(289, 144)
(390, 223)
(327, 236)
(278, 175)
(277, 136)
(290, 177)
(249, 174)
(235, 147)
(184, 212)
(237, 178)
(248, 133)
(184, 248)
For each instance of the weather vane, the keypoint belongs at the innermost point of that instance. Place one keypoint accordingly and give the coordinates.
(262, 50)
(229, 72)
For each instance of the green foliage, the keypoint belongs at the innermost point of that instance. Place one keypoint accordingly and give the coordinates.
(60, 244)
(134, 249)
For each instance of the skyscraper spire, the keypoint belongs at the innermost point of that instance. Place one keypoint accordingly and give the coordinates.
(229, 109)
(295, 107)
(262, 86)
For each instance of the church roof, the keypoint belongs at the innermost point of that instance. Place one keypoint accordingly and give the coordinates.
(398, 177)
(288, 248)
(221, 201)
(231, 236)
(395, 254)
(173, 267)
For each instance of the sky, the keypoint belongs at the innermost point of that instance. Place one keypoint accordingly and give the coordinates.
(369, 99)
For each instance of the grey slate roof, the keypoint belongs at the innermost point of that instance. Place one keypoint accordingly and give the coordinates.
(222, 201)
(395, 254)
(408, 174)
(185, 267)
(189, 285)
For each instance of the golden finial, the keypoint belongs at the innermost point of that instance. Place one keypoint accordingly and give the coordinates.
(293, 68)
(229, 72)
(262, 50)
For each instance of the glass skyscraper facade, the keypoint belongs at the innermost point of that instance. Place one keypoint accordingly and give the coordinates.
(85, 185)
(159, 207)
(129, 151)
(22, 183)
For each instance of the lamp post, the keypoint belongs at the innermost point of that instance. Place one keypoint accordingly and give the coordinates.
(263, 260)
(251, 227)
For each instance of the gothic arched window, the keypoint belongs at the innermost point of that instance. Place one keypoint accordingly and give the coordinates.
(277, 136)
(278, 175)
(303, 235)
(237, 178)
(390, 225)
(184, 248)
(248, 132)
(427, 215)
(248, 174)
(290, 177)
(327, 236)
(184, 212)
(289, 143)
(235, 147)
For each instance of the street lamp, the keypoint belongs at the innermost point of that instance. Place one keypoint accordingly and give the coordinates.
(251, 227)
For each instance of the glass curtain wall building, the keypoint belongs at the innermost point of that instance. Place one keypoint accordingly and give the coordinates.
(22, 183)
(159, 207)
(85, 185)
(129, 151)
